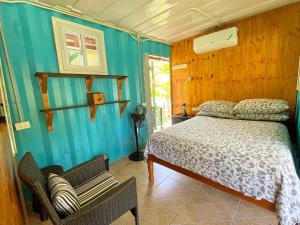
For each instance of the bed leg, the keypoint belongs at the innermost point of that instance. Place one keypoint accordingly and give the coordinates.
(150, 170)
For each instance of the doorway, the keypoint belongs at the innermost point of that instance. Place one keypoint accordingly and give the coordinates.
(160, 89)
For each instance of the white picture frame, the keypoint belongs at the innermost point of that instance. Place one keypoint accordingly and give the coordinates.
(85, 57)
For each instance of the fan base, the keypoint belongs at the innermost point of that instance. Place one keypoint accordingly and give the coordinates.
(137, 156)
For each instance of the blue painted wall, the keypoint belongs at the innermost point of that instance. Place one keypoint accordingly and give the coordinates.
(297, 144)
(31, 47)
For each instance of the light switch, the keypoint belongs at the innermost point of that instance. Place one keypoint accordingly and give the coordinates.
(22, 125)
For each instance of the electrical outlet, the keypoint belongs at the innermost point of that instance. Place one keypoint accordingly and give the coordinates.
(22, 125)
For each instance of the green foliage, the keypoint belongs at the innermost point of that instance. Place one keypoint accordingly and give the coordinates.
(160, 91)
(162, 80)
(165, 68)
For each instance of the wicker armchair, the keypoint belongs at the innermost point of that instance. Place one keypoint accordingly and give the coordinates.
(102, 211)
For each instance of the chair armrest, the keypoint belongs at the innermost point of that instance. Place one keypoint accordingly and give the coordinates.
(57, 169)
(106, 208)
(85, 171)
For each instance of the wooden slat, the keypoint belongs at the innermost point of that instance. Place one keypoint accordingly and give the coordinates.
(11, 198)
(151, 158)
(264, 64)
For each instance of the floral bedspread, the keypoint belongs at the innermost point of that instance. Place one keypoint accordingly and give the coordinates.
(252, 157)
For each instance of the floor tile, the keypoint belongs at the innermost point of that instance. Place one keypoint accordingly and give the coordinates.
(248, 214)
(175, 199)
(34, 219)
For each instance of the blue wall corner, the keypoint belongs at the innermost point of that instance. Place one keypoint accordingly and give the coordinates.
(297, 144)
(75, 139)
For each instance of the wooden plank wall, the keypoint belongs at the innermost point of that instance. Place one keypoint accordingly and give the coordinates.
(264, 64)
(10, 203)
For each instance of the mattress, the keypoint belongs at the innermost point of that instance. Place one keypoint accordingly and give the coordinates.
(252, 157)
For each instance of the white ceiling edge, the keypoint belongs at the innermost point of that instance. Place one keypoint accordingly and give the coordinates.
(157, 33)
(69, 12)
(253, 11)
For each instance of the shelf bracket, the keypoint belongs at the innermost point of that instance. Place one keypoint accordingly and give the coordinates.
(122, 105)
(44, 83)
(49, 120)
(89, 78)
(93, 110)
(89, 83)
(44, 89)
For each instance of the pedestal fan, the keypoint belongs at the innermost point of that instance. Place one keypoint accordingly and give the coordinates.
(138, 117)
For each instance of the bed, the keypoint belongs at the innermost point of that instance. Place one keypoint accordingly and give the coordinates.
(250, 159)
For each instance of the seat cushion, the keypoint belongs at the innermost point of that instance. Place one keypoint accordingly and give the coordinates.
(63, 196)
(95, 187)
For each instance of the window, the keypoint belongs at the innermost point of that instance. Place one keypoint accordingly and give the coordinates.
(80, 49)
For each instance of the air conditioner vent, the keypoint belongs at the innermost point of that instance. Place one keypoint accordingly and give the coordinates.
(217, 40)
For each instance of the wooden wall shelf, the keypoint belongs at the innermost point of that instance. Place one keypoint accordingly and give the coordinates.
(73, 75)
(81, 106)
(89, 78)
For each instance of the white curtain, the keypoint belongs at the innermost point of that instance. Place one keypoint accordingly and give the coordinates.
(148, 93)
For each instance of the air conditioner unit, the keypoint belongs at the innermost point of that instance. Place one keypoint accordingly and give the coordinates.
(217, 40)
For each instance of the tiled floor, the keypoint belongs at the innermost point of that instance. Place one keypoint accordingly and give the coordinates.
(179, 200)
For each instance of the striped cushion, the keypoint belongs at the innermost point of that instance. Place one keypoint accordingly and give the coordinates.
(95, 187)
(63, 195)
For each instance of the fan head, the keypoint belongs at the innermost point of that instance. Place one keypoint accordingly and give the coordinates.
(140, 109)
(139, 115)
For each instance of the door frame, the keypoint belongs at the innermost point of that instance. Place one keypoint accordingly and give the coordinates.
(147, 87)
(7, 111)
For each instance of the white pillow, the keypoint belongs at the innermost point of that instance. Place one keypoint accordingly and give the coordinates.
(261, 106)
(217, 106)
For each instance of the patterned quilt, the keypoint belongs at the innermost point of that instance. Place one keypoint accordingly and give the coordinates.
(252, 157)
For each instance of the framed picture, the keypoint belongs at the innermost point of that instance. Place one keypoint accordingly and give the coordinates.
(80, 49)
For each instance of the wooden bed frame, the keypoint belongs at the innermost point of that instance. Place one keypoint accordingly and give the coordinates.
(151, 159)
